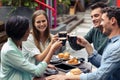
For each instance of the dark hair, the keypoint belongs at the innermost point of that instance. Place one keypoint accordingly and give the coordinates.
(113, 12)
(36, 33)
(16, 26)
(98, 5)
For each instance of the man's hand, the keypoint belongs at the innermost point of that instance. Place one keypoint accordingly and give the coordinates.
(83, 42)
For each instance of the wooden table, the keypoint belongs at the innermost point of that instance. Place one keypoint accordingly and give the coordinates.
(86, 67)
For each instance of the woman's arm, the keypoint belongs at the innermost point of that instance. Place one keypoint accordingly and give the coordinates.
(40, 57)
(53, 48)
(16, 60)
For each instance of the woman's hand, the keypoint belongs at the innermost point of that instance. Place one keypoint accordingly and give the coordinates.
(56, 45)
(54, 38)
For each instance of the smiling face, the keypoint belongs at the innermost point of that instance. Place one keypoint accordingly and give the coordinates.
(41, 23)
(96, 16)
(106, 24)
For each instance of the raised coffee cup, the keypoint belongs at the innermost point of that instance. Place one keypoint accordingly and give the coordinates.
(63, 39)
(72, 38)
(62, 34)
(73, 42)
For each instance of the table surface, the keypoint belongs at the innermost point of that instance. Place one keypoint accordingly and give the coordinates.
(86, 67)
(83, 66)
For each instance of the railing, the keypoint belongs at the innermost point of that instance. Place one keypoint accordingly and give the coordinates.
(118, 3)
(54, 13)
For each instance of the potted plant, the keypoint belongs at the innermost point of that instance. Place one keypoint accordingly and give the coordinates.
(19, 3)
(63, 6)
(0, 3)
(17, 7)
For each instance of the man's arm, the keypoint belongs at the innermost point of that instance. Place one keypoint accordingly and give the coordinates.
(95, 59)
(110, 64)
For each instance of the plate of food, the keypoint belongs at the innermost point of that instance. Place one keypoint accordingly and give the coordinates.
(64, 56)
(75, 71)
(73, 61)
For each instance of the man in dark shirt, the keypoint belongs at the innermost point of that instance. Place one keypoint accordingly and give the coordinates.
(95, 35)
